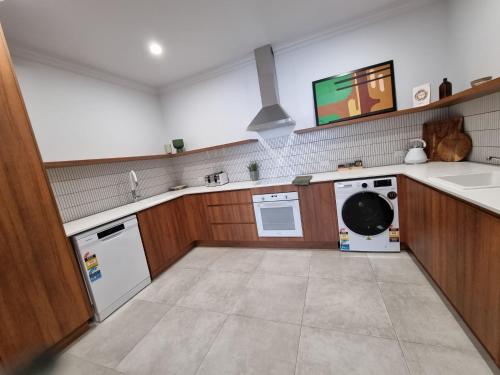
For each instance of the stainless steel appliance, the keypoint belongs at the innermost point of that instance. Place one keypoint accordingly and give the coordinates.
(216, 179)
(113, 263)
(278, 215)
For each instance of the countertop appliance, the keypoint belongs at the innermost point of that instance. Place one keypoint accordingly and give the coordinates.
(367, 214)
(113, 263)
(416, 154)
(278, 215)
(216, 179)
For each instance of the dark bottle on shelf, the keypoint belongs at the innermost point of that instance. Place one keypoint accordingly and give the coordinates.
(444, 89)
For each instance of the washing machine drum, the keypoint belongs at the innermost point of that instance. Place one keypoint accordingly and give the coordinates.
(367, 213)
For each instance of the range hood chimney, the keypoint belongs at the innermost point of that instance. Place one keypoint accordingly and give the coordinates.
(272, 115)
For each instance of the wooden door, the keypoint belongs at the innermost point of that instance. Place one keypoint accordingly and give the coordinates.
(481, 305)
(42, 296)
(196, 217)
(459, 246)
(319, 212)
(165, 235)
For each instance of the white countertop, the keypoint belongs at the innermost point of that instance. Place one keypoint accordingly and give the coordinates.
(488, 199)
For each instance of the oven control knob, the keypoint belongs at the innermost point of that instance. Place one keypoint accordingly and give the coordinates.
(364, 185)
(392, 195)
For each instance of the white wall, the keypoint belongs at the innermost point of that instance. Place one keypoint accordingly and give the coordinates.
(474, 31)
(218, 110)
(77, 117)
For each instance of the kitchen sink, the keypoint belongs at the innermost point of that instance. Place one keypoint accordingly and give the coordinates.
(471, 181)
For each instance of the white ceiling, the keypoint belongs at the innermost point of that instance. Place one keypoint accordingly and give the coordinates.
(112, 35)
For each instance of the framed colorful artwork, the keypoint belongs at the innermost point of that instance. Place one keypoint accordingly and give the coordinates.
(362, 92)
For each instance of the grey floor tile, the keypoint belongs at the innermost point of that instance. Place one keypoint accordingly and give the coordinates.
(402, 254)
(253, 347)
(347, 305)
(109, 342)
(171, 285)
(324, 352)
(438, 360)
(176, 345)
(68, 364)
(239, 260)
(420, 316)
(332, 265)
(397, 270)
(273, 297)
(216, 291)
(201, 257)
(285, 262)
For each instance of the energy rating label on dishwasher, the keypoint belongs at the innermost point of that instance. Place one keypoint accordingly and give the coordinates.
(92, 266)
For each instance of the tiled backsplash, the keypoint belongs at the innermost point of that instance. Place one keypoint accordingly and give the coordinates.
(85, 190)
(482, 123)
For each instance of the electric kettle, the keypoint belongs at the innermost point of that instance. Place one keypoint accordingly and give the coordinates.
(416, 154)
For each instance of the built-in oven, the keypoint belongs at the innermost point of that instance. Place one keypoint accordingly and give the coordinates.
(278, 215)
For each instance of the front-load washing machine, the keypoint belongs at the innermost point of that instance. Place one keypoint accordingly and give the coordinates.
(367, 212)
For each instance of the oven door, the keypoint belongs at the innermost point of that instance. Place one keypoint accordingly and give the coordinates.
(278, 219)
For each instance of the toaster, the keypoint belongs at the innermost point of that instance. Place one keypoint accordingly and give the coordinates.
(216, 179)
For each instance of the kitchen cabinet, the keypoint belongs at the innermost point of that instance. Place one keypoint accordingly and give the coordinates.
(230, 216)
(43, 299)
(459, 246)
(165, 235)
(319, 213)
(195, 217)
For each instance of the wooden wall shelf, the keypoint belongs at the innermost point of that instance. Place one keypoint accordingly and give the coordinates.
(463, 96)
(72, 163)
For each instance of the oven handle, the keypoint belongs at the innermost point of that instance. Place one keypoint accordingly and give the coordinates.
(276, 204)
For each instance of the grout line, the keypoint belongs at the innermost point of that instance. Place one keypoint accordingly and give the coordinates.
(390, 318)
(302, 317)
(213, 342)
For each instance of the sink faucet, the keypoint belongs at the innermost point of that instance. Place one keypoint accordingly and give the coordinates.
(134, 184)
(489, 158)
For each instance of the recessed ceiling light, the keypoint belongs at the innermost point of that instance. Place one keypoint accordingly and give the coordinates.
(155, 48)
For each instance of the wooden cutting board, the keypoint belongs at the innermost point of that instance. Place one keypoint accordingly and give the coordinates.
(435, 131)
(454, 147)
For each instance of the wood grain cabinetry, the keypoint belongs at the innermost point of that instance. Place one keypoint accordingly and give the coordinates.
(228, 197)
(165, 234)
(195, 218)
(459, 245)
(230, 216)
(42, 297)
(319, 213)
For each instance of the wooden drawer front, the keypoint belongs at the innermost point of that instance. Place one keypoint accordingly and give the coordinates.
(228, 197)
(274, 189)
(236, 213)
(234, 232)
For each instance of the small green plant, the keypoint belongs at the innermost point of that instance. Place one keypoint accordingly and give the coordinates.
(253, 166)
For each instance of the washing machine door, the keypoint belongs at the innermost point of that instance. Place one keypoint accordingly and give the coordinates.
(367, 213)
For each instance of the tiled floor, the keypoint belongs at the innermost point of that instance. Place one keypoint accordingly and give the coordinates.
(240, 311)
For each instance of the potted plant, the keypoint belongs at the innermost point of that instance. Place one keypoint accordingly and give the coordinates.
(253, 168)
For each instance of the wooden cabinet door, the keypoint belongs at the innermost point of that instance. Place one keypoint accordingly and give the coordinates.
(319, 212)
(481, 289)
(42, 296)
(418, 210)
(164, 235)
(196, 217)
(459, 245)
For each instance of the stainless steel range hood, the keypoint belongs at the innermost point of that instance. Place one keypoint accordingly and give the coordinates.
(272, 115)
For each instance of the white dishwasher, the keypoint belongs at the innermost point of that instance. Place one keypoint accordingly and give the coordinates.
(113, 263)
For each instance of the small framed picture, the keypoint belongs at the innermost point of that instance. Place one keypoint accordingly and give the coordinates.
(421, 95)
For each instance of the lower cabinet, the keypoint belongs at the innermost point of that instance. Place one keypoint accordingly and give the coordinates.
(319, 212)
(164, 234)
(459, 245)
